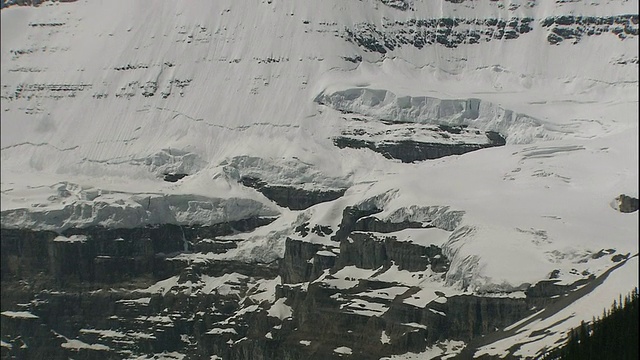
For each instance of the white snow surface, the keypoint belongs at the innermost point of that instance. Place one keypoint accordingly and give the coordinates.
(236, 86)
(344, 350)
(280, 310)
(441, 350)
(19, 314)
(77, 344)
(165, 355)
(554, 327)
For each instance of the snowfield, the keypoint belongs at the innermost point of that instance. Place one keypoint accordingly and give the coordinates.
(102, 99)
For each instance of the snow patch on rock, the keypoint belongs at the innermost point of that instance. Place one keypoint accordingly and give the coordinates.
(280, 310)
(343, 350)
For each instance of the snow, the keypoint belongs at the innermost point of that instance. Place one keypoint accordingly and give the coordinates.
(424, 237)
(238, 314)
(326, 253)
(421, 236)
(77, 345)
(156, 319)
(224, 285)
(389, 293)
(71, 239)
(361, 306)
(103, 333)
(343, 350)
(345, 278)
(280, 310)
(384, 338)
(163, 286)
(141, 335)
(416, 325)
(219, 331)
(242, 100)
(441, 350)
(19, 314)
(557, 325)
(117, 334)
(165, 355)
(227, 284)
(141, 301)
(385, 105)
(265, 290)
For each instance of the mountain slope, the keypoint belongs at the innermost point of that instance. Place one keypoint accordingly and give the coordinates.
(331, 137)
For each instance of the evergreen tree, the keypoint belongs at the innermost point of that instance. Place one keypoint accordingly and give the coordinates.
(614, 336)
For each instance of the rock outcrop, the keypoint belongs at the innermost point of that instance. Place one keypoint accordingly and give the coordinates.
(627, 204)
(291, 197)
(409, 151)
(448, 32)
(116, 293)
(366, 251)
(574, 28)
(304, 261)
(102, 255)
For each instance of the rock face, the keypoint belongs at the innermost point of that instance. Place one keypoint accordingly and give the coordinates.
(99, 293)
(448, 32)
(574, 28)
(397, 4)
(104, 255)
(304, 261)
(409, 151)
(191, 104)
(291, 197)
(627, 204)
(365, 251)
(350, 216)
(290, 183)
(172, 177)
(70, 282)
(453, 32)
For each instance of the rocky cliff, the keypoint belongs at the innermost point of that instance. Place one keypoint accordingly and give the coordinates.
(113, 293)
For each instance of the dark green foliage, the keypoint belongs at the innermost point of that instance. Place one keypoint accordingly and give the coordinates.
(614, 336)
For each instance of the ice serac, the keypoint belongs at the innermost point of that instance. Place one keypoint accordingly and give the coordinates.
(314, 179)
(136, 211)
(482, 115)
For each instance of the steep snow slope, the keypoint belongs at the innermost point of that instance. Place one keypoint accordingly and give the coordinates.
(102, 99)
